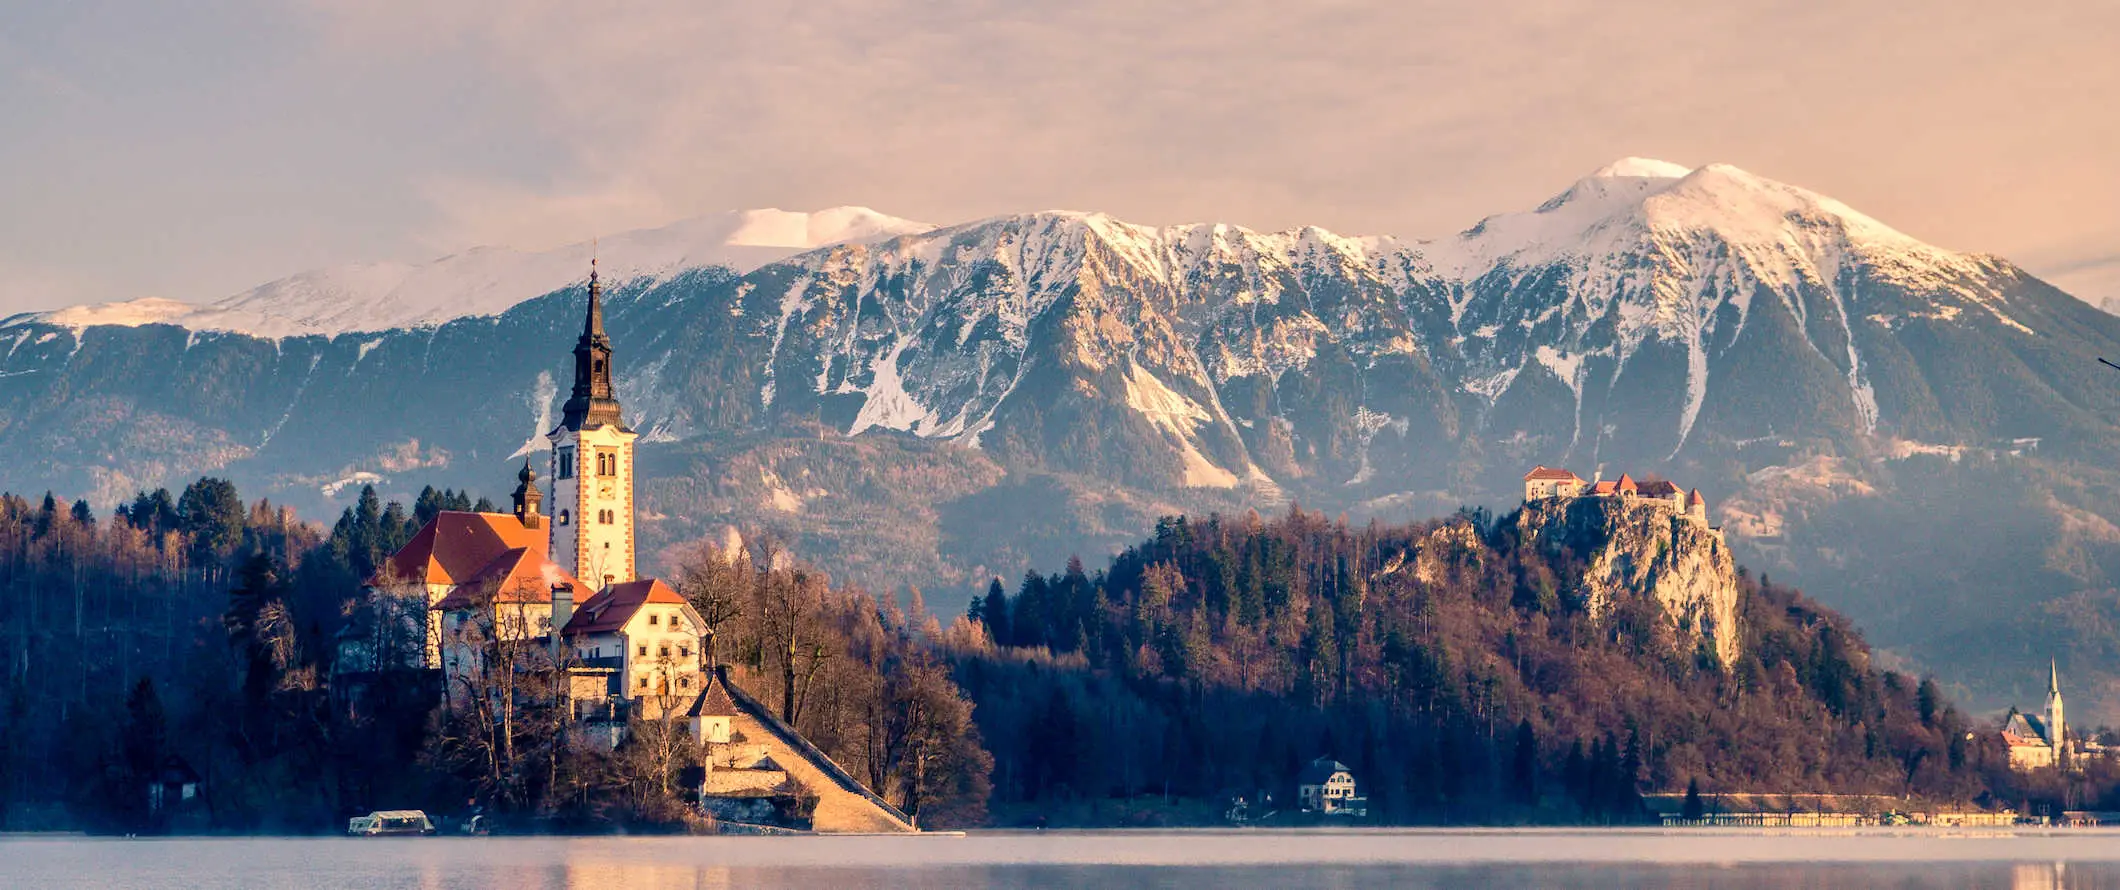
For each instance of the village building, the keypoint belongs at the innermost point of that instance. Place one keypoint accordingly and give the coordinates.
(1327, 787)
(2037, 741)
(646, 634)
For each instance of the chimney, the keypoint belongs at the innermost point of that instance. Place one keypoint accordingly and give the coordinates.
(562, 610)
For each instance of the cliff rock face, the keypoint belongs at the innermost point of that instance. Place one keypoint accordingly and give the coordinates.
(1635, 548)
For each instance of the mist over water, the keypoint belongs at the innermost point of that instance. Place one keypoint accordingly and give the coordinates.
(1207, 860)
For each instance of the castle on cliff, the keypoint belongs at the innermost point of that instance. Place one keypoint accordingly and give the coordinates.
(1549, 482)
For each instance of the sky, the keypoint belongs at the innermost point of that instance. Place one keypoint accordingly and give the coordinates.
(191, 149)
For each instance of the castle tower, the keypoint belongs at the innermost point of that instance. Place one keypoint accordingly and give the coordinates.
(2055, 722)
(592, 464)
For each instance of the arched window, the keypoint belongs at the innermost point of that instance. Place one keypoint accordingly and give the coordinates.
(565, 517)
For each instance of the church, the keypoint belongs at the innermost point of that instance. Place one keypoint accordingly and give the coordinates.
(554, 586)
(2037, 741)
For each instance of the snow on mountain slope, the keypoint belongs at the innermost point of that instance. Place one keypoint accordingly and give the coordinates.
(934, 333)
(488, 280)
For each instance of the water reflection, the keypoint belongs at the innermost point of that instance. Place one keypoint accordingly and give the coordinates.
(1063, 861)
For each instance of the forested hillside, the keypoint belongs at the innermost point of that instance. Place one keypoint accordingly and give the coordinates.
(194, 629)
(1460, 672)
(1468, 672)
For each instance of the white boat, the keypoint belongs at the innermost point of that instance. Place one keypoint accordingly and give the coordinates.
(389, 822)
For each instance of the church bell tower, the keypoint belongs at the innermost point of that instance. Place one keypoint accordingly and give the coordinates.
(2056, 723)
(592, 464)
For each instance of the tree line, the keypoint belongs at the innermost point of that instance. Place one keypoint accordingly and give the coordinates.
(1444, 662)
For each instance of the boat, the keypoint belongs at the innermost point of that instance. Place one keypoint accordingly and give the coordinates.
(383, 823)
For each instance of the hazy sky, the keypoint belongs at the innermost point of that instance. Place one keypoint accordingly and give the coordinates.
(193, 148)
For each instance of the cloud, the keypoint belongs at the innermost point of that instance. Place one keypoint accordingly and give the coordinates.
(225, 149)
(1407, 117)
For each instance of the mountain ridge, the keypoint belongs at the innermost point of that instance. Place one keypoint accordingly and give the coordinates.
(930, 408)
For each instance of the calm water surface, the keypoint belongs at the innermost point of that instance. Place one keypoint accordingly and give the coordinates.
(1192, 860)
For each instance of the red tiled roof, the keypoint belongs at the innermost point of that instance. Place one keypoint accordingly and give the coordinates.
(521, 575)
(1606, 487)
(1695, 499)
(615, 605)
(1626, 482)
(452, 547)
(1657, 489)
(1544, 473)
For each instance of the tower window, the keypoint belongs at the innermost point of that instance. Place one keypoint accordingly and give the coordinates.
(566, 463)
(565, 517)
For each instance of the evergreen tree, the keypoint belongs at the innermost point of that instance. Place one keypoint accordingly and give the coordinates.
(1525, 773)
(1694, 810)
(996, 614)
(212, 515)
(143, 742)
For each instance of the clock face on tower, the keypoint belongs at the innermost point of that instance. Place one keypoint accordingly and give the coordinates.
(607, 490)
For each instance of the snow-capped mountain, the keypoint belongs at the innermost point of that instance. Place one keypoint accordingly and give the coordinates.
(487, 280)
(917, 405)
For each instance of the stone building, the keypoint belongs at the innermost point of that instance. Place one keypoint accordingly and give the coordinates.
(1547, 482)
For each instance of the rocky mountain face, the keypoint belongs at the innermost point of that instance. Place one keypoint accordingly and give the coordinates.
(942, 405)
(1638, 549)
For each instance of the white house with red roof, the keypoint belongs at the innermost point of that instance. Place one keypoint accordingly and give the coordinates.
(646, 632)
(1546, 482)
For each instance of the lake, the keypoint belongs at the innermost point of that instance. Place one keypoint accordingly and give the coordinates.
(2079, 859)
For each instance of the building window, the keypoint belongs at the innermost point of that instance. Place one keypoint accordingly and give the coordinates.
(684, 650)
(565, 517)
(665, 650)
(654, 619)
(566, 463)
(643, 683)
(684, 682)
(643, 650)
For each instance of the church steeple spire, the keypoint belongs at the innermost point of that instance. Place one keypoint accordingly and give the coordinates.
(527, 497)
(593, 402)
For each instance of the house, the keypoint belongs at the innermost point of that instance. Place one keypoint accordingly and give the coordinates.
(1327, 787)
(1545, 482)
(644, 631)
(2037, 741)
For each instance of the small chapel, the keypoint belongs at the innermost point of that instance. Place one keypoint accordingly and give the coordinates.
(2037, 741)
(559, 577)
